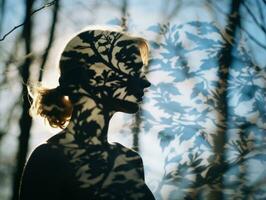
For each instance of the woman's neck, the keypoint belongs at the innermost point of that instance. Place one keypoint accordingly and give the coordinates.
(89, 122)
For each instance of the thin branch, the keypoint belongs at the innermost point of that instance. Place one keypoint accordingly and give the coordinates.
(253, 38)
(50, 42)
(10, 60)
(214, 5)
(240, 26)
(174, 11)
(16, 27)
(260, 11)
(253, 17)
(2, 11)
(218, 8)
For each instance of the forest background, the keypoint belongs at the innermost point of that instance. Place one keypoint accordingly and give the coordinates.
(201, 129)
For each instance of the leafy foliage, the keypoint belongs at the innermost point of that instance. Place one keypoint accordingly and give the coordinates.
(192, 114)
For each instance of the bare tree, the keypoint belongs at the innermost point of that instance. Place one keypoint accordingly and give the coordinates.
(25, 121)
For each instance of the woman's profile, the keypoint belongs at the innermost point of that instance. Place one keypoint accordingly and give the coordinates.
(101, 72)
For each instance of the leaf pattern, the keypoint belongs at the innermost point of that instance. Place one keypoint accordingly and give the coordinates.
(192, 114)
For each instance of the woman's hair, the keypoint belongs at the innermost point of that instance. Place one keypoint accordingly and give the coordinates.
(56, 107)
(51, 104)
(144, 50)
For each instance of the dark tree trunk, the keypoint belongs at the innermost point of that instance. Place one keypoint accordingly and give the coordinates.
(136, 129)
(25, 121)
(225, 61)
(124, 9)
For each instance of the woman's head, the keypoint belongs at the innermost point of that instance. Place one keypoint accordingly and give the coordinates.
(107, 66)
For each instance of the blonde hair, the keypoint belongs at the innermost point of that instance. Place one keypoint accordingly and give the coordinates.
(51, 104)
(55, 106)
(144, 50)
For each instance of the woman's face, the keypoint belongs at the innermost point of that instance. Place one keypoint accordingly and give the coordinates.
(129, 89)
(127, 98)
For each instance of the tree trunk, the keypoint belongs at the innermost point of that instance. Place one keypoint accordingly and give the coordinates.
(136, 129)
(225, 61)
(124, 17)
(25, 121)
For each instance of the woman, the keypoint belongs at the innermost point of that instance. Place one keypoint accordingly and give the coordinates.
(101, 73)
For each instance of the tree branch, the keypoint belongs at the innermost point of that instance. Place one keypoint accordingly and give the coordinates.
(254, 18)
(252, 37)
(50, 42)
(260, 11)
(240, 26)
(10, 60)
(33, 12)
(2, 11)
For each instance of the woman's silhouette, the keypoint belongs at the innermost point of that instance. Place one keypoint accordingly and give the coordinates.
(101, 73)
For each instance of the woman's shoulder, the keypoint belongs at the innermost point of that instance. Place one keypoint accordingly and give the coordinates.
(43, 174)
(46, 153)
(45, 148)
(44, 159)
(55, 139)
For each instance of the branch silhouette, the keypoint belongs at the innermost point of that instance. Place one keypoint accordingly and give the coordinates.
(50, 42)
(33, 12)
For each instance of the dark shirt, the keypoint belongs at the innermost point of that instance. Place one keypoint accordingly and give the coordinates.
(51, 173)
